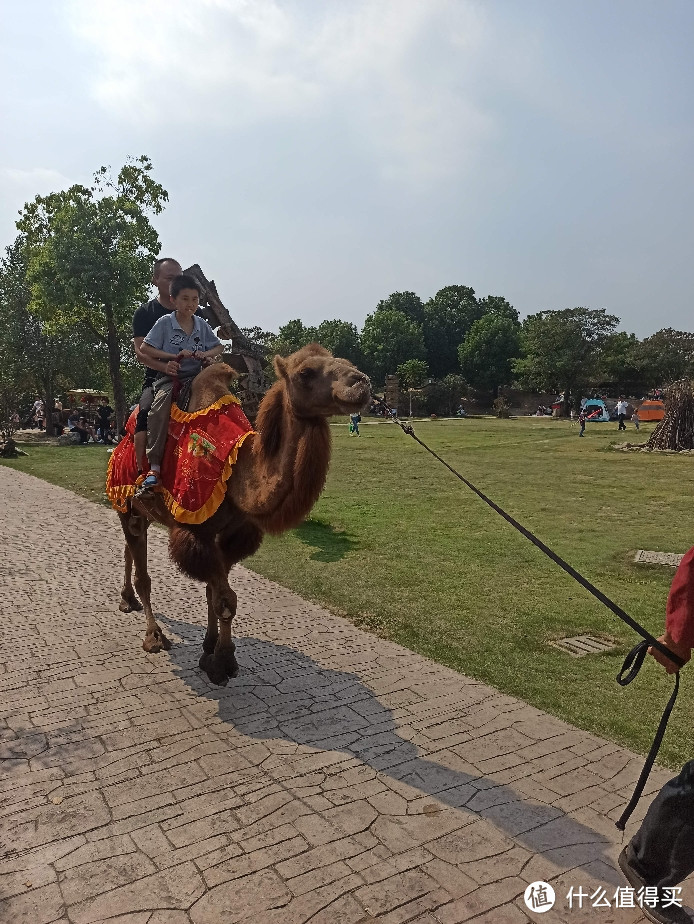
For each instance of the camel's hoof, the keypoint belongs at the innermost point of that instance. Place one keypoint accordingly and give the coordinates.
(232, 667)
(155, 642)
(227, 657)
(129, 606)
(214, 670)
(209, 643)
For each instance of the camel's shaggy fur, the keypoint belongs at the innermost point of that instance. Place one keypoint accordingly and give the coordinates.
(277, 478)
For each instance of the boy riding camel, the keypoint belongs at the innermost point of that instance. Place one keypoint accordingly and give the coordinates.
(184, 342)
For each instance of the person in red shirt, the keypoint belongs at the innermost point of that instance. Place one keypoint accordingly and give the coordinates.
(661, 853)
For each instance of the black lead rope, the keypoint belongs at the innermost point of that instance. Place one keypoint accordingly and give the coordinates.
(633, 661)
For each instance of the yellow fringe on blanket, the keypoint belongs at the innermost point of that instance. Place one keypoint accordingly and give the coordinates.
(184, 417)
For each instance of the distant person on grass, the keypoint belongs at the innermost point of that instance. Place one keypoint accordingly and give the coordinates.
(182, 342)
(84, 430)
(354, 421)
(661, 853)
(57, 417)
(38, 413)
(582, 421)
(635, 418)
(621, 413)
(103, 429)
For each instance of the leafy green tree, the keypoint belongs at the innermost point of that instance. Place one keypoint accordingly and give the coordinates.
(292, 336)
(90, 256)
(17, 382)
(388, 339)
(36, 357)
(412, 373)
(620, 365)
(342, 339)
(666, 356)
(562, 347)
(448, 317)
(443, 396)
(258, 335)
(409, 303)
(498, 305)
(486, 355)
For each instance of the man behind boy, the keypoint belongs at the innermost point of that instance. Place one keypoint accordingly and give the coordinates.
(144, 320)
(181, 341)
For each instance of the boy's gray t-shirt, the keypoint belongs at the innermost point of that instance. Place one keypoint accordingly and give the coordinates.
(168, 335)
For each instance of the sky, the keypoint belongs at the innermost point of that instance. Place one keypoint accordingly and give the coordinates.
(321, 154)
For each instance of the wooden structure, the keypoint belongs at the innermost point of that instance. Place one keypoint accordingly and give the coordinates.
(676, 429)
(392, 391)
(245, 356)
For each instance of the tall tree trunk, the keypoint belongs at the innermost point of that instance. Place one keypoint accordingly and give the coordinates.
(114, 369)
(48, 389)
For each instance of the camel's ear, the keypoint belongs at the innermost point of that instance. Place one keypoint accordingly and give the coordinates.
(280, 365)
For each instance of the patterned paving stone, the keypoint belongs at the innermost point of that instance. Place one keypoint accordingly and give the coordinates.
(337, 778)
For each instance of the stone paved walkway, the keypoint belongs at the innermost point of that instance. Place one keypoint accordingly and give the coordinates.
(339, 778)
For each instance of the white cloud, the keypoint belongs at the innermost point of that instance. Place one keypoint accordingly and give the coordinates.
(40, 180)
(399, 75)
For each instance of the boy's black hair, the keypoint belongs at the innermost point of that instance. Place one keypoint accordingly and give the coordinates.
(179, 283)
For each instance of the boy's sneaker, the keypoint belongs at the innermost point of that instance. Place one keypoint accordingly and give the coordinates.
(149, 484)
(151, 481)
(664, 912)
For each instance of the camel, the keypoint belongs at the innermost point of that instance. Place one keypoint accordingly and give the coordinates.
(278, 476)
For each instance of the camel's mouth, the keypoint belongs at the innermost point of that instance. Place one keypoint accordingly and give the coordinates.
(352, 398)
(344, 407)
(351, 405)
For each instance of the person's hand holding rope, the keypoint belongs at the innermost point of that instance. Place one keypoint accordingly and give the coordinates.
(682, 650)
(202, 357)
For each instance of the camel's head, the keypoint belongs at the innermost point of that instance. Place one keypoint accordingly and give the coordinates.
(319, 384)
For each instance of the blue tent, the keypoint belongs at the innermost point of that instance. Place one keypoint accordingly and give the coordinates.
(595, 409)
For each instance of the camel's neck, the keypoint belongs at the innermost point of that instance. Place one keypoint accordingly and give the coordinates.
(278, 479)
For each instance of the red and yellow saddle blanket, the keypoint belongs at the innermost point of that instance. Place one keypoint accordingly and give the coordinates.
(198, 460)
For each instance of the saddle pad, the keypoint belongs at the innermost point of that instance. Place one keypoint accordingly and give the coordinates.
(200, 453)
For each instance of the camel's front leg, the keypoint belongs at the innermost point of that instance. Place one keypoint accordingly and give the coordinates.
(221, 664)
(154, 639)
(212, 634)
(128, 600)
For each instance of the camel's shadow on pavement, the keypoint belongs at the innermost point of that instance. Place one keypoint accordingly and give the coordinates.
(282, 694)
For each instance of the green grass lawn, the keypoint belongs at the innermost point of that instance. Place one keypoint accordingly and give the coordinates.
(403, 549)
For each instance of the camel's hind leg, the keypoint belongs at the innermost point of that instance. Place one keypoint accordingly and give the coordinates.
(135, 532)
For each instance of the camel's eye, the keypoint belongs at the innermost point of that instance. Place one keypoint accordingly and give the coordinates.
(306, 375)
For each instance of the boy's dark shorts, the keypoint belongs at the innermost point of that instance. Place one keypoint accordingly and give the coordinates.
(146, 399)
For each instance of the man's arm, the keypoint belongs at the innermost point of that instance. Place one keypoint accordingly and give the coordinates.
(164, 363)
(146, 359)
(154, 353)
